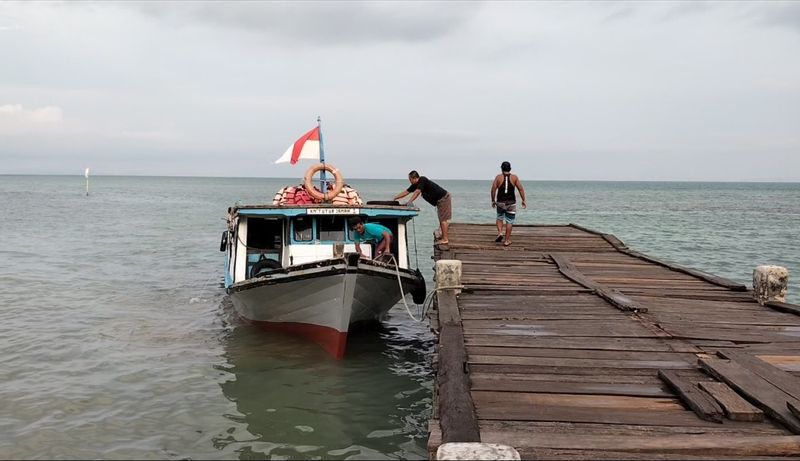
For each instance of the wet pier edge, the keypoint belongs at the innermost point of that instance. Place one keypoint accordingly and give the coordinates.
(567, 344)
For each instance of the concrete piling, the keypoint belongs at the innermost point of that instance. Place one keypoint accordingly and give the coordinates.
(770, 283)
(476, 451)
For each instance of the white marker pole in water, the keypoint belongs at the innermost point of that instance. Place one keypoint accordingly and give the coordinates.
(86, 173)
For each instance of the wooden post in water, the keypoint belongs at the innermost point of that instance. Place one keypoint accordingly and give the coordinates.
(770, 283)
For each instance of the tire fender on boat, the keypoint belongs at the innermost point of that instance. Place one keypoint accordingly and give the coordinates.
(308, 182)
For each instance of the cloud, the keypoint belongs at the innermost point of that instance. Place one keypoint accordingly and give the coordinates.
(778, 14)
(323, 23)
(14, 118)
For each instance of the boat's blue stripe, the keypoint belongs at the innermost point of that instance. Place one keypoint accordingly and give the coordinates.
(302, 211)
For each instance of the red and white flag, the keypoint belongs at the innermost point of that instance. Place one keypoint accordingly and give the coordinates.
(307, 147)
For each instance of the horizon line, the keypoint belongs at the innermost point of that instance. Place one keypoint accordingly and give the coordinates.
(774, 181)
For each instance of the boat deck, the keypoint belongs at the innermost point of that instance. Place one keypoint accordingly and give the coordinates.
(569, 345)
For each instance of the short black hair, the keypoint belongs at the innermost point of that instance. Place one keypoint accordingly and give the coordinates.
(505, 167)
(413, 174)
(354, 220)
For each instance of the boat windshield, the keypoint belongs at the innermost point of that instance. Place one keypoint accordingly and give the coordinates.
(302, 227)
(331, 228)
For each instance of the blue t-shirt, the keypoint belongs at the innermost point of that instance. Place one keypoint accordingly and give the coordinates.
(372, 231)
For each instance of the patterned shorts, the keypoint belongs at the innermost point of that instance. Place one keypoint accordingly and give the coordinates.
(506, 211)
(444, 208)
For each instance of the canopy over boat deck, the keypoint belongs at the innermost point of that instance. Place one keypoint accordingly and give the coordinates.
(570, 345)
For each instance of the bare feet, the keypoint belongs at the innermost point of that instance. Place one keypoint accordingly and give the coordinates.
(507, 243)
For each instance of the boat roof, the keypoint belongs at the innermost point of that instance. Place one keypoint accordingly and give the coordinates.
(325, 209)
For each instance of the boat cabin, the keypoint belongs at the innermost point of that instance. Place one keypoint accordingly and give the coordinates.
(267, 237)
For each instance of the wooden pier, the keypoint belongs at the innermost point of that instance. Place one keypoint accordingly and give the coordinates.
(570, 345)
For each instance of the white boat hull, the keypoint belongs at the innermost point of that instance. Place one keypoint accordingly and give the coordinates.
(322, 302)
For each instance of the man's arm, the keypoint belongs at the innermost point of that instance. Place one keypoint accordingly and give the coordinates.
(386, 244)
(414, 196)
(521, 191)
(358, 249)
(494, 191)
(400, 195)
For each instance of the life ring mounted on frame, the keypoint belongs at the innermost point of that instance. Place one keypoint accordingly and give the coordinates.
(308, 182)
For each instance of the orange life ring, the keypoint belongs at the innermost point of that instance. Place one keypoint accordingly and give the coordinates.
(308, 182)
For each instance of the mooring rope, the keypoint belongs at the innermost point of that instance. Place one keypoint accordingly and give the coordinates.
(422, 310)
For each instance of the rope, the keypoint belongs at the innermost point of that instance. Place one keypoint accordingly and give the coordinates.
(422, 310)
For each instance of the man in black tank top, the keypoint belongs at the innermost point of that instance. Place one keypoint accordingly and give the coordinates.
(505, 199)
(433, 194)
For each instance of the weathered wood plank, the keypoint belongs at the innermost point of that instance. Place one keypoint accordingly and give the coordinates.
(582, 353)
(784, 307)
(721, 281)
(447, 304)
(456, 410)
(559, 387)
(535, 400)
(729, 428)
(576, 362)
(515, 368)
(787, 363)
(794, 409)
(777, 377)
(735, 407)
(649, 379)
(564, 454)
(698, 445)
(508, 411)
(758, 391)
(701, 403)
(614, 297)
(578, 342)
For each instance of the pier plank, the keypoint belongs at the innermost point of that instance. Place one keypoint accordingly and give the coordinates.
(567, 336)
(775, 376)
(699, 401)
(735, 407)
(758, 391)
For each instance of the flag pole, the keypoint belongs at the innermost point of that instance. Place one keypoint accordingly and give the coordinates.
(322, 180)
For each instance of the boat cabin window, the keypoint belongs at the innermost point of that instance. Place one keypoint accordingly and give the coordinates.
(331, 228)
(389, 223)
(302, 228)
(265, 234)
(264, 245)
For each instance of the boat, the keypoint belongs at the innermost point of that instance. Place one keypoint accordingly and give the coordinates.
(292, 265)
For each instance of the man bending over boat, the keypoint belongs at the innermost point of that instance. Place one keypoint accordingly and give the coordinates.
(373, 232)
(433, 194)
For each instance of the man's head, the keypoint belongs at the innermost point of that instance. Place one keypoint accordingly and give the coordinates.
(413, 177)
(505, 167)
(356, 224)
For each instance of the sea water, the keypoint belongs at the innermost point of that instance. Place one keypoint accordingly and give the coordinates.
(117, 340)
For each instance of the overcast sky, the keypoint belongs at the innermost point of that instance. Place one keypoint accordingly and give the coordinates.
(572, 90)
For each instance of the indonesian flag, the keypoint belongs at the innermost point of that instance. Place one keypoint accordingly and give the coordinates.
(307, 147)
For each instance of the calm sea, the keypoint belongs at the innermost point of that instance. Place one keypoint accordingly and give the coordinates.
(117, 340)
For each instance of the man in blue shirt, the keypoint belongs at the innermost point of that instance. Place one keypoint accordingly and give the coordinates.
(371, 232)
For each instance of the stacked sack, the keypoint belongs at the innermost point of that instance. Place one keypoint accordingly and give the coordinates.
(347, 196)
(297, 195)
(293, 195)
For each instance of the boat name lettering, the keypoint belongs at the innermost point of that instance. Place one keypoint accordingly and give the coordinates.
(332, 211)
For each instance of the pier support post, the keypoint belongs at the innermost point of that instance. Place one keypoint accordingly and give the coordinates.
(447, 274)
(769, 284)
(475, 450)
